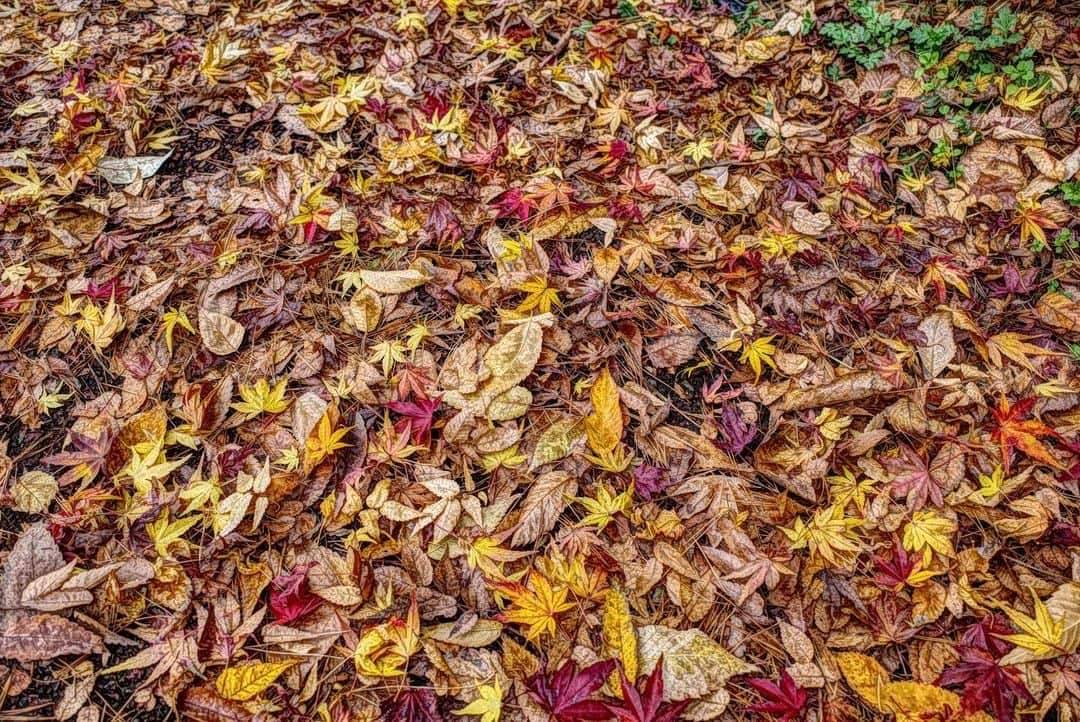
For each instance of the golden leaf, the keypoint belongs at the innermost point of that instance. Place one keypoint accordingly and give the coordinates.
(604, 425)
(247, 681)
(620, 640)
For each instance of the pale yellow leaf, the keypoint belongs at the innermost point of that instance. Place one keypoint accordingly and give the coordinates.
(34, 491)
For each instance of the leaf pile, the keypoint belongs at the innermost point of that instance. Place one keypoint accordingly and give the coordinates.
(563, 360)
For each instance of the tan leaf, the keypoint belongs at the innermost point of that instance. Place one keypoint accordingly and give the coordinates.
(220, 333)
(694, 665)
(34, 491)
(940, 348)
(122, 171)
(512, 358)
(547, 497)
(393, 282)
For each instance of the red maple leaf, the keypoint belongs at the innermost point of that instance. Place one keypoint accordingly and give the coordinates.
(647, 703)
(785, 700)
(565, 693)
(290, 595)
(419, 416)
(514, 204)
(893, 574)
(413, 705)
(984, 681)
(1016, 431)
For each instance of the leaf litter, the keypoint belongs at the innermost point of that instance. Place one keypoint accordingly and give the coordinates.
(572, 360)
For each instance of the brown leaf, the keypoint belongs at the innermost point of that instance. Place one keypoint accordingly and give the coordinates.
(45, 636)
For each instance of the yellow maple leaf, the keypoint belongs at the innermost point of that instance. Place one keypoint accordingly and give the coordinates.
(164, 533)
(605, 506)
(325, 441)
(1014, 346)
(929, 530)
(1025, 99)
(758, 351)
(536, 606)
(1041, 634)
(149, 464)
(541, 296)
(170, 320)
(828, 535)
(384, 650)
(261, 398)
(488, 706)
(100, 326)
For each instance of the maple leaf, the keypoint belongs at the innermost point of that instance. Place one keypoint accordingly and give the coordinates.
(1033, 221)
(326, 440)
(902, 569)
(565, 693)
(170, 320)
(419, 417)
(736, 433)
(756, 352)
(928, 530)
(261, 398)
(827, 535)
(1041, 634)
(87, 459)
(536, 606)
(385, 649)
(914, 479)
(984, 681)
(1014, 431)
(514, 204)
(290, 595)
(603, 509)
(540, 296)
(785, 700)
(644, 702)
(488, 706)
(388, 353)
(164, 533)
(413, 381)
(941, 270)
(651, 481)
(416, 704)
(145, 468)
